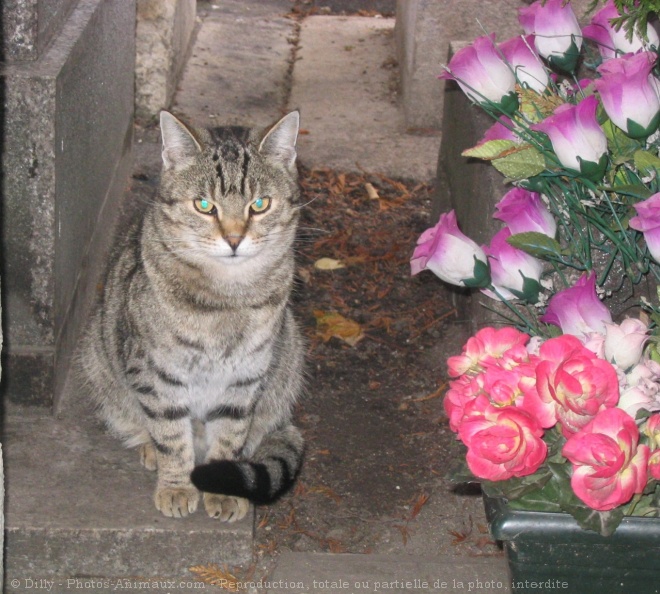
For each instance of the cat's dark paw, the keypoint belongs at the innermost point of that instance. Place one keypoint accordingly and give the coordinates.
(225, 507)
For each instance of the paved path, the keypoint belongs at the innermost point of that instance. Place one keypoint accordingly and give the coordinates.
(250, 65)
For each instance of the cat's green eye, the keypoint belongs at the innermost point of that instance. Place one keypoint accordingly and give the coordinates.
(260, 205)
(204, 206)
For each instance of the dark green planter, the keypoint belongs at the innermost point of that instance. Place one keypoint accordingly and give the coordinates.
(549, 552)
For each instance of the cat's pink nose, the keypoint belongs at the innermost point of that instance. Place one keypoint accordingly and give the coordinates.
(234, 241)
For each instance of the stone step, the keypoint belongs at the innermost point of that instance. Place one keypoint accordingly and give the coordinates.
(79, 504)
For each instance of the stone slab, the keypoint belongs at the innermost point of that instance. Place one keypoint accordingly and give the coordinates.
(322, 573)
(229, 80)
(66, 156)
(79, 504)
(345, 85)
(424, 30)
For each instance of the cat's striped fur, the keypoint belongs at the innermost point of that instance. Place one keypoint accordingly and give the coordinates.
(192, 353)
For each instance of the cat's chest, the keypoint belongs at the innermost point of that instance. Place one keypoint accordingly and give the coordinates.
(222, 371)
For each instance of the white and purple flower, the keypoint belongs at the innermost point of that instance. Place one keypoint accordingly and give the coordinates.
(523, 211)
(450, 255)
(525, 62)
(577, 310)
(515, 274)
(612, 41)
(628, 97)
(647, 221)
(578, 141)
(482, 74)
(557, 34)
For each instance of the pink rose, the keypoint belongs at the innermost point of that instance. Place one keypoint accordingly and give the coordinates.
(572, 385)
(503, 443)
(652, 429)
(654, 465)
(609, 465)
(462, 392)
(624, 342)
(507, 386)
(487, 345)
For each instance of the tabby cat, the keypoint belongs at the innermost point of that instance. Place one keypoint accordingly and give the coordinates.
(192, 353)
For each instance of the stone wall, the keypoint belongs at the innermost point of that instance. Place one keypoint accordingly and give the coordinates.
(68, 115)
(163, 36)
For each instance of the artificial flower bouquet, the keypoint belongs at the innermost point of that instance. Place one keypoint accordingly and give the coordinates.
(559, 408)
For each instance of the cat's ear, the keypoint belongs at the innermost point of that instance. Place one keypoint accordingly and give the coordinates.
(279, 145)
(179, 144)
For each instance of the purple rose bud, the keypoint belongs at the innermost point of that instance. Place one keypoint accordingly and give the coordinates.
(515, 274)
(610, 40)
(578, 141)
(483, 75)
(629, 98)
(558, 37)
(526, 63)
(500, 130)
(648, 222)
(577, 310)
(450, 255)
(524, 211)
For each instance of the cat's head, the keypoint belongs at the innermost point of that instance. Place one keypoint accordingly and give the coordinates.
(230, 194)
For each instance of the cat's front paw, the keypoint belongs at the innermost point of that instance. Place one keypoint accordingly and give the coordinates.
(176, 502)
(225, 507)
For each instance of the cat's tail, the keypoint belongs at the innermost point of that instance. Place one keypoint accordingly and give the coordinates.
(262, 479)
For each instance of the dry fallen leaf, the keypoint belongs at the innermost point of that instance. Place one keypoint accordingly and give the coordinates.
(334, 325)
(328, 264)
(371, 191)
(213, 575)
(419, 504)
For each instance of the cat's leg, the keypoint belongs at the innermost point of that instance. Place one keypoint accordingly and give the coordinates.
(171, 434)
(226, 432)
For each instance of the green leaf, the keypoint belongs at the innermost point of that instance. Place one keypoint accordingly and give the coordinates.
(646, 162)
(489, 150)
(521, 164)
(515, 488)
(481, 275)
(605, 523)
(536, 244)
(530, 290)
(621, 146)
(635, 190)
(635, 130)
(544, 499)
